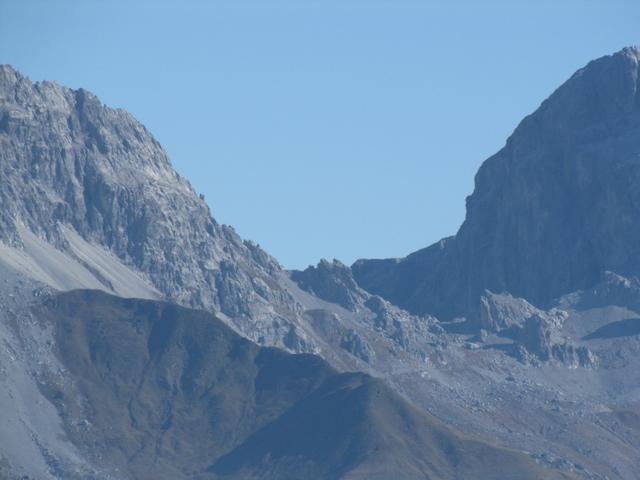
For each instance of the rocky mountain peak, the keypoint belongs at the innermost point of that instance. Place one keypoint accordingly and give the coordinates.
(632, 51)
(79, 177)
(551, 211)
(8, 74)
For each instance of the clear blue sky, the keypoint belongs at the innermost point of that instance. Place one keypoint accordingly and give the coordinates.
(336, 128)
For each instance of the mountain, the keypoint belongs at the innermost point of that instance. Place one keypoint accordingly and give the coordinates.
(147, 389)
(550, 212)
(499, 379)
(90, 200)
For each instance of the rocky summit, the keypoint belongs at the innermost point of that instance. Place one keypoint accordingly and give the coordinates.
(140, 338)
(550, 212)
(92, 183)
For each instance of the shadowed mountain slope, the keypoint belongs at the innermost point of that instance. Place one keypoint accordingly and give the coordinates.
(153, 390)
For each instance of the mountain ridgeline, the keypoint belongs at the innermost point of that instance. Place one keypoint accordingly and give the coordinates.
(550, 212)
(140, 338)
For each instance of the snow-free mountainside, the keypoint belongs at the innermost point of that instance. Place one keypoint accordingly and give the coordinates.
(139, 338)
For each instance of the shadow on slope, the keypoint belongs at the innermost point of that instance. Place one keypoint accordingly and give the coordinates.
(622, 328)
(153, 390)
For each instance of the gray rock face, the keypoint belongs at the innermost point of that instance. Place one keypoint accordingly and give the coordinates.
(69, 162)
(550, 212)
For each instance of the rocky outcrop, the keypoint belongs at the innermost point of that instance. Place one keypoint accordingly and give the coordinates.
(537, 334)
(334, 282)
(407, 331)
(538, 340)
(331, 281)
(498, 312)
(357, 346)
(550, 212)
